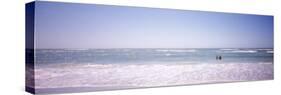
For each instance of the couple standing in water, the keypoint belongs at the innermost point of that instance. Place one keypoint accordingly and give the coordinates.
(219, 57)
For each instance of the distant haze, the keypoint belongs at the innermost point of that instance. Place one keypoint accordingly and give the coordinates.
(64, 25)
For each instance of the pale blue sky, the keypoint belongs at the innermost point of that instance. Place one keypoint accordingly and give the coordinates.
(64, 25)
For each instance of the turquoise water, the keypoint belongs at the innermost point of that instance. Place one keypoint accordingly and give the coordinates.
(150, 56)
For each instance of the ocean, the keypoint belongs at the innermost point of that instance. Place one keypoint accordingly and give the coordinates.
(150, 56)
(67, 70)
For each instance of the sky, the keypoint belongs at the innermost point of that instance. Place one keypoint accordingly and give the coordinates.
(70, 25)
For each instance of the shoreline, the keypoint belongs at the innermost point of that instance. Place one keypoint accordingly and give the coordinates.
(147, 75)
(100, 89)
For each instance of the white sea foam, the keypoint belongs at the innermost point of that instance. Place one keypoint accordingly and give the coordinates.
(244, 51)
(228, 49)
(145, 75)
(169, 50)
(168, 54)
(77, 49)
(237, 51)
(264, 49)
(269, 52)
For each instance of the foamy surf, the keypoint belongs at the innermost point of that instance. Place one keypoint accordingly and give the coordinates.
(244, 51)
(269, 51)
(105, 69)
(146, 75)
(170, 50)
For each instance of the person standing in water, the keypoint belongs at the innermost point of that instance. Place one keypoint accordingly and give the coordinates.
(218, 58)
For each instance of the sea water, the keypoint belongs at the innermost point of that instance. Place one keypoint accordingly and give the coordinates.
(72, 70)
(150, 56)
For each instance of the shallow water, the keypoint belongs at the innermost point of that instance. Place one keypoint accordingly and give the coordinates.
(105, 69)
(146, 75)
